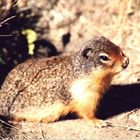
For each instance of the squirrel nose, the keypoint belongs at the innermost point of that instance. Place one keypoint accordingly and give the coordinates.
(126, 62)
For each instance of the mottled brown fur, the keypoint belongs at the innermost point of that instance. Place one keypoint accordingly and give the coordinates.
(42, 90)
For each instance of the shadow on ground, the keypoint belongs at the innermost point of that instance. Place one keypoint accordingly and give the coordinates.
(119, 99)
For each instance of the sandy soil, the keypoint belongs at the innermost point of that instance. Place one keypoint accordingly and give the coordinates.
(119, 128)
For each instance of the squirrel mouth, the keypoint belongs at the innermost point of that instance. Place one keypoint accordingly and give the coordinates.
(123, 66)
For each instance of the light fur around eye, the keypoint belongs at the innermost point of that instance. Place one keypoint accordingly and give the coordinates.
(103, 57)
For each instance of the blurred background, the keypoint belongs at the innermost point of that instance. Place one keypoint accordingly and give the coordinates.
(44, 28)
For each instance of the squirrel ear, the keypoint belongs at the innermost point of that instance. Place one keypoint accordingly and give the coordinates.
(87, 52)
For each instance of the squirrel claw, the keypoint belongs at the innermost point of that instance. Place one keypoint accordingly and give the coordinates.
(99, 123)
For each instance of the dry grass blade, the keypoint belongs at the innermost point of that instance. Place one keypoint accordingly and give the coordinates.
(10, 125)
(17, 132)
(7, 19)
(125, 126)
(5, 6)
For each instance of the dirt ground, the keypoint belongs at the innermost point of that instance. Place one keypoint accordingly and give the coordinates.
(78, 21)
(124, 127)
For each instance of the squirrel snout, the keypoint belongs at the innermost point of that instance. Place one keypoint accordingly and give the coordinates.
(126, 62)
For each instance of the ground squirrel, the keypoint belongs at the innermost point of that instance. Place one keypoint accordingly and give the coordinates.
(42, 90)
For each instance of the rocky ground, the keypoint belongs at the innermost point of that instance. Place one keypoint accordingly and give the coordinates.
(68, 24)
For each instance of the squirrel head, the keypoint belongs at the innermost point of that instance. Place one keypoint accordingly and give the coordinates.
(100, 53)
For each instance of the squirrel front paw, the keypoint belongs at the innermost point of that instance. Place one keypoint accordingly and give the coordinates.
(98, 123)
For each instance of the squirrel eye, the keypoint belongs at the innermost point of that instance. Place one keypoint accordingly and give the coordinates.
(103, 57)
